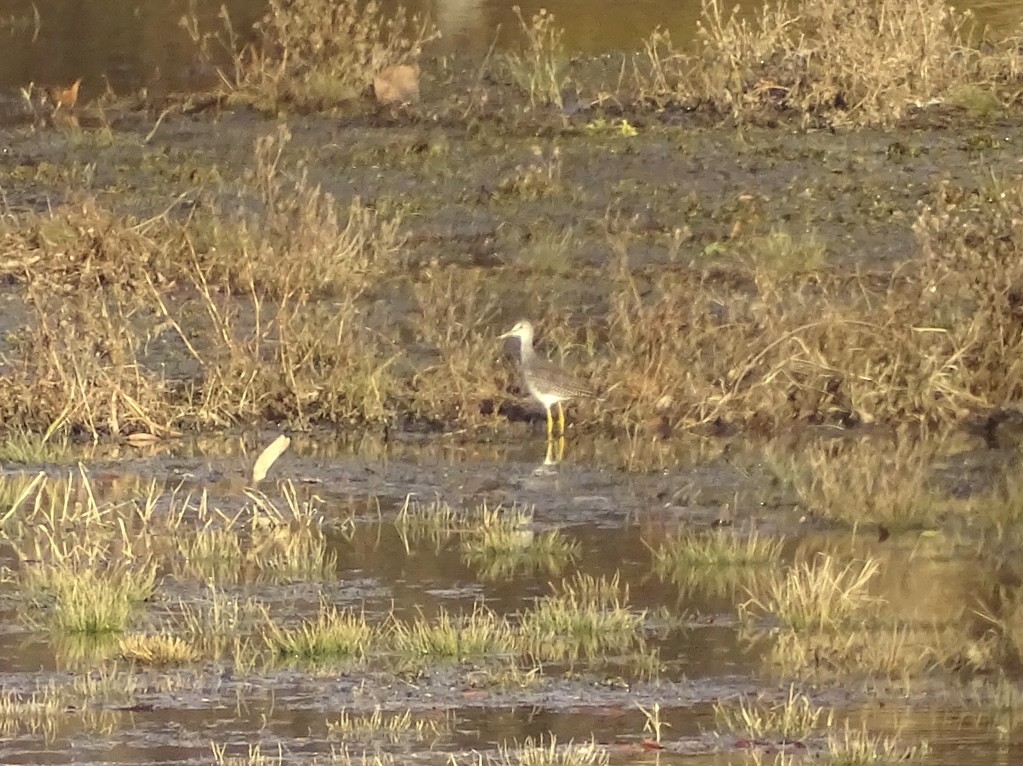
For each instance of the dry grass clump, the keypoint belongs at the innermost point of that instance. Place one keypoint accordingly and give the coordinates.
(82, 561)
(157, 649)
(51, 708)
(298, 241)
(253, 756)
(869, 480)
(84, 245)
(305, 363)
(864, 62)
(717, 548)
(1002, 502)
(79, 365)
(220, 624)
(306, 359)
(587, 623)
(255, 307)
(648, 339)
(691, 351)
(897, 652)
(780, 254)
(820, 595)
(36, 713)
(796, 719)
(288, 543)
(971, 284)
(853, 747)
(453, 381)
(831, 625)
(20, 498)
(89, 563)
(210, 554)
(536, 177)
(497, 542)
(764, 345)
(29, 448)
(55, 518)
(83, 650)
(64, 523)
(436, 521)
(313, 52)
(239, 549)
(993, 640)
(538, 69)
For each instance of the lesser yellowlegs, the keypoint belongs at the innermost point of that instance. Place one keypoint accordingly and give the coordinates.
(546, 383)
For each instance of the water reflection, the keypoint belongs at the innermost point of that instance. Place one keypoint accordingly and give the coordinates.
(129, 45)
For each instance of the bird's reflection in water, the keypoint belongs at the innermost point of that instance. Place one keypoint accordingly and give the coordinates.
(554, 455)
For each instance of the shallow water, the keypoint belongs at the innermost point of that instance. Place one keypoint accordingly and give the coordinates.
(173, 715)
(131, 45)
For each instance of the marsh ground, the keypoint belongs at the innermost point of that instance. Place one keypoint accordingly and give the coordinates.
(787, 529)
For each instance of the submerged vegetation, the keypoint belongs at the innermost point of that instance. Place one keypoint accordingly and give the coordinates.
(717, 561)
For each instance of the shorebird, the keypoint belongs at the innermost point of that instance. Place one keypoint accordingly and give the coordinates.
(546, 382)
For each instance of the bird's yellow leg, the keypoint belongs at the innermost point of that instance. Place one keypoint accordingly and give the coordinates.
(561, 448)
(561, 419)
(550, 424)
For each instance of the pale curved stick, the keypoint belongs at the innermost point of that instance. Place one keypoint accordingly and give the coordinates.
(268, 457)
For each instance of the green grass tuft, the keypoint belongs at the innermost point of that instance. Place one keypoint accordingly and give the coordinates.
(480, 633)
(584, 617)
(499, 543)
(334, 635)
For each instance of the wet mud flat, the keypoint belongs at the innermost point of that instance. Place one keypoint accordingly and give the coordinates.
(761, 544)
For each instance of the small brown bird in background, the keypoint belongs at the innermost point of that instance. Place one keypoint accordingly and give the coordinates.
(397, 84)
(62, 97)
